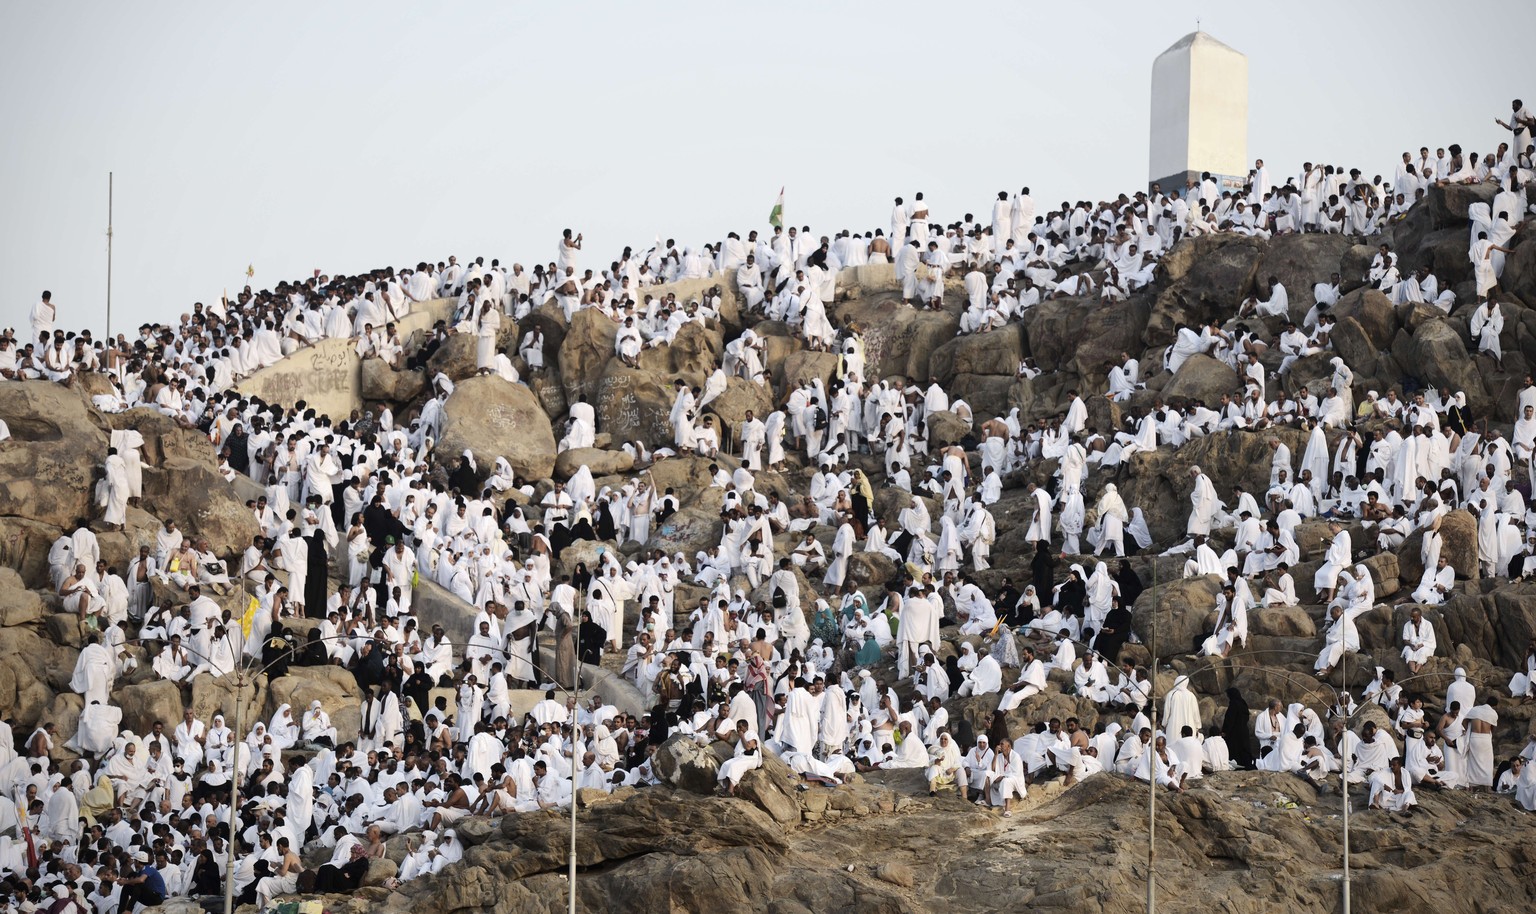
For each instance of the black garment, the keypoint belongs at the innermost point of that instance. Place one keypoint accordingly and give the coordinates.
(1071, 596)
(239, 451)
(1117, 628)
(1458, 419)
(606, 528)
(1043, 568)
(277, 653)
(420, 358)
(1130, 584)
(559, 538)
(952, 669)
(1006, 603)
(1237, 730)
(205, 877)
(465, 479)
(315, 580)
(418, 689)
(332, 880)
(997, 730)
(369, 670)
(593, 637)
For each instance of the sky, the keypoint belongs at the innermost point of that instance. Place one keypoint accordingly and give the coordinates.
(343, 136)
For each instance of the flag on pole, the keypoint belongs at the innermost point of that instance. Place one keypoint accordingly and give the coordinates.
(250, 270)
(248, 618)
(776, 218)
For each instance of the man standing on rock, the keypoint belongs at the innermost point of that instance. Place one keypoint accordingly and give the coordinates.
(752, 434)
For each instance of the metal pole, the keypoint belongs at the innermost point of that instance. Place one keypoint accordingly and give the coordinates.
(109, 256)
(574, 711)
(1152, 763)
(234, 800)
(1344, 778)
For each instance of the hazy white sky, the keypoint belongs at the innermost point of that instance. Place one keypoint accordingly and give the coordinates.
(343, 136)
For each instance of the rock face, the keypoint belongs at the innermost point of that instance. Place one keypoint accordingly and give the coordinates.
(879, 843)
(380, 382)
(335, 688)
(192, 493)
(1202, 378)
(49, 466)
(632, 403)
(493, 418)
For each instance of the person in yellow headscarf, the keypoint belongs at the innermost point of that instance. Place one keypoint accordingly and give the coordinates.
(98, 800)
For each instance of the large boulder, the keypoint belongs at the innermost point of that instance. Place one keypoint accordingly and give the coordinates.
(898, 339)
(600, 462)
(163, 438)
(1448, 203)
(217, 695)
(1207, 277)
(18, 606)
(456, 357)
(633, 404)
(585, 351)
(1458, 545)
(1373, 311)
(494, 418)
(32, 670)
(946, 427)
(1439, 357)
(381, 382)
(803, 366)
(682, 763)
(1300, 261)
(1355, 346)
(334, 687)
(690, 530)
(1181, 612)
(741, 395)
(996, 353)
(49, 466)
(693, 353)
(24, 547)
(1202, 377)
(202, 503)
(146, 702)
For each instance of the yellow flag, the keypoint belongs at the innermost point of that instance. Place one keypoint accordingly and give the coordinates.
(250, 270)
(249, 616)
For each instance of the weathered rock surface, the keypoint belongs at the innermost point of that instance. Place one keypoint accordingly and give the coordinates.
(493, 418)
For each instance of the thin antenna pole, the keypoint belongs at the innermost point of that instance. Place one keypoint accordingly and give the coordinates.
(1152, 762)
(109, 256)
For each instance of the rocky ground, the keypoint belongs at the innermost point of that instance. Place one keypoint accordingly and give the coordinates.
(1225, 845)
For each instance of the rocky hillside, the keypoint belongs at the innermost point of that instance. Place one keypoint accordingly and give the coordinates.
(1238, 842)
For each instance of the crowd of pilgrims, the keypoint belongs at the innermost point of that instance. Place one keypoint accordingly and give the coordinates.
(357, 511)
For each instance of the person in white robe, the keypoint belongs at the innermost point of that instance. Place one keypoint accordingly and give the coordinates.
(1005, 779)
(1487, 323)
(1031, 681)
(1418, 640)
(1437, 584)
(94, 672)
(1392, 788)
(1180, 707)
(1477, 753)
(985, 678)
(116, 490)
(1040, 525)
(1337, 559)
(746, 757)
(1203, 504)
